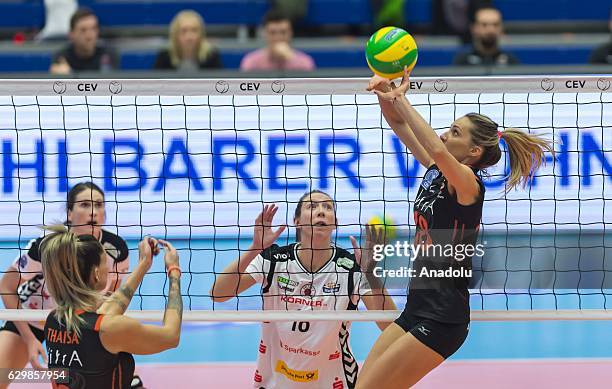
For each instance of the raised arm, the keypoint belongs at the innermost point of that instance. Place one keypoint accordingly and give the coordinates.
(234, 279)
(119, 301)
(121, 333)
(399, 126)
(458, 175)
(377, 297)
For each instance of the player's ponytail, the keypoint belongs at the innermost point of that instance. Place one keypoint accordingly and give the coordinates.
(526, 151)
(68, 261)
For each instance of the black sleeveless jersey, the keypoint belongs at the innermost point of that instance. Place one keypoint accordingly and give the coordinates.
(113, 244)
(90, 365)
(439, 287)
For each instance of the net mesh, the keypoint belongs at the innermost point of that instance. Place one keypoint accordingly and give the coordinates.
(197, 168)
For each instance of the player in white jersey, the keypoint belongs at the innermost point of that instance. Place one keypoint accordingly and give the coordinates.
(311, 274)
(22, 285)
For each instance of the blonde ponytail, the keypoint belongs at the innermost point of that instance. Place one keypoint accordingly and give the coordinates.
(526, 153)
(67, 263)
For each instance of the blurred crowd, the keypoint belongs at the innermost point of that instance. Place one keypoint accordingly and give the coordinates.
(477, 23)
(188, 47)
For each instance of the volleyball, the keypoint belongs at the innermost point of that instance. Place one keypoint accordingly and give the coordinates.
(389, 50)
(386, 223)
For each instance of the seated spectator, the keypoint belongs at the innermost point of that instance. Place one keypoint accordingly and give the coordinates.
(603, 54)
(278, 53)
(84, 52)
(486, 30)
(455, 17)
(188, 47)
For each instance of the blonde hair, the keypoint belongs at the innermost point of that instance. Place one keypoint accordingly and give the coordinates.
(67, 262)
(175, 50)
(526, 151)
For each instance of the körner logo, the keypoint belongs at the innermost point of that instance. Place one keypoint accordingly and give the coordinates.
(222, 86)
(440, 85)
(59, 87)
(278, 86)
(603, 84)
(115, 87)
(547, 84)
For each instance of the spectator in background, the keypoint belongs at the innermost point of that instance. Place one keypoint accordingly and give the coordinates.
(455, 17)
(603, 54)
(84, 53)
(278, 53)
(486, 29)
(188, 47)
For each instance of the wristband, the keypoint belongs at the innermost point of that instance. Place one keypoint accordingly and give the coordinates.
(174, 267)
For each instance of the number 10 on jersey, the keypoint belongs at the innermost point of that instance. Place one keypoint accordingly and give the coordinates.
(302, 326)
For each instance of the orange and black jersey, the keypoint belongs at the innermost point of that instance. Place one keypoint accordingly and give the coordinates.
(441, 221)
(90, 365)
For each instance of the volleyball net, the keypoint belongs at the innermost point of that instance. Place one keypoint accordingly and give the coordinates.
(194, 161)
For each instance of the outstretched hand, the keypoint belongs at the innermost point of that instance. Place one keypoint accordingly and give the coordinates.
(365, 256)
(386, 90)
(380, 84)
(263, 235)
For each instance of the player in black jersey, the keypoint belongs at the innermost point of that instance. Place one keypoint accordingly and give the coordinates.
(89, 335)
(448, 209)
(22, 285)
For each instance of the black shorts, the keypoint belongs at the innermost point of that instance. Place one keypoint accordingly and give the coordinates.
(10, 326)
(443, 338)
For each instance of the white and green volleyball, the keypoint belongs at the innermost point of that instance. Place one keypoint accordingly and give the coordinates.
(390, 49)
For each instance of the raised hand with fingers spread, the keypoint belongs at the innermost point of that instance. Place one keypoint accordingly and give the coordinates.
(311, 273)
(263, 235)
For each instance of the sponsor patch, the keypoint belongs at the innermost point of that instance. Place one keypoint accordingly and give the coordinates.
(345, 262)
(298, 350)
(281, 256)
(429, 177)
(296, 375)
(302, 301)
(331, 287)
(286, 284)
(308, 290)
